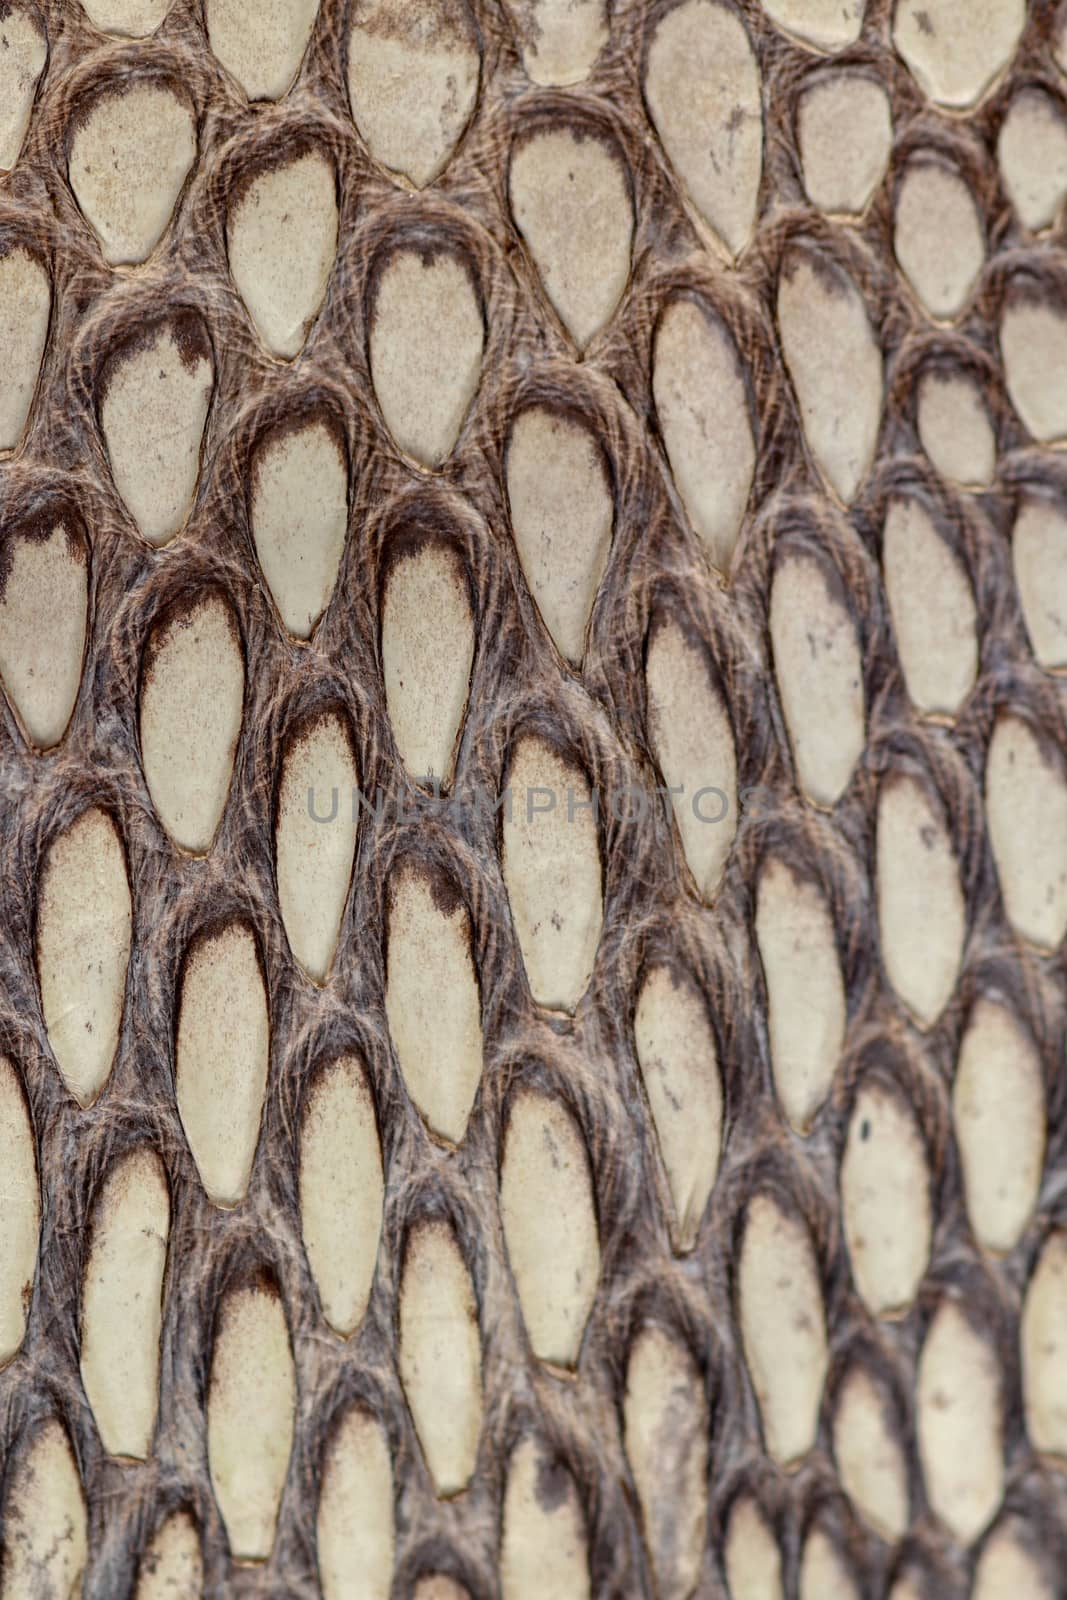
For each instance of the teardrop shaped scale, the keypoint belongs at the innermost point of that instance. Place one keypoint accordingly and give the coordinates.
(835, 363)
(427, 335)
(550, 1226)
(413, 69)
(251, 1408)
(570, 197)
(84, 930)
(441, 1354)
(192, 707)
(130, 153)
(680, 1068)
(299, 517)
(783, 1327)
(122, 1303)
(44, 603)
(552, 872)
(341, 1191)
(222, 1053)
(702, 84)
(282, 238)
(261, 46)
(315, 838)
(427, 640)
(562, 514)
(432, 999)
(704, 412)
(155, 393)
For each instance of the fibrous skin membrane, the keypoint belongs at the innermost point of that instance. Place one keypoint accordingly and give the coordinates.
(533, 790)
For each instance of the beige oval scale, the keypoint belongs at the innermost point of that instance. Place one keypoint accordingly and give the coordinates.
(25, 310)
(570, 197)
(805, 990)
(835, 363)
(938, 237)
(130, 154)
(84, 930)
(1006, 1568)
(998, 1108)
(192, 707)
(560, 40)
(827, 24)
(543, 1549)
(885, 1201)
(845, 134)
(315, 839)
(44, 604)
(959, 1424)
(427, 334)
(342, 1191)
(172, 1567)
(703, 87)
(251, 1409)
(955, 51)
(122, 1303)
(25, 51)
(1032, 155)
(1033, 344)
(441, 1355)
(20, 1217)
(413, 69)
(922, 917)
(955, 430)
(680, 1068)
(562, 515)
(282, 239)
(751, 1558)
(1039, 554)
(299, 517)
(702, 404)
(932, 605)
(825, 1571)
(261, 44)
(819, 671)
(869, 1456)
(46, 1526)
(222, 1056)
(548, 1212)
(1043, 1349)
(1026, 809)
(783, 1328)
(134, 18)
(552, 872)
(432, 1000)
(693, 743)
(156, 395)
(355, 1532)
(666, 1432)
(427, 641)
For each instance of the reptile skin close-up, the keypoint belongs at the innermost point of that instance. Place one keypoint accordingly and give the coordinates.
(533, 794)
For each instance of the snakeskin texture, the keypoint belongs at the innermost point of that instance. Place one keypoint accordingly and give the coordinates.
(720, 1294)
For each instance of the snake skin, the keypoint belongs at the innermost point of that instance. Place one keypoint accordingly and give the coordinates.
(599, 716)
